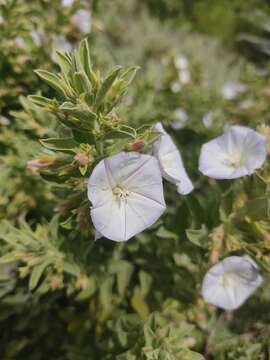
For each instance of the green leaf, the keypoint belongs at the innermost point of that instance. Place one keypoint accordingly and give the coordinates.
(37, 272)
(198, 237)
(67, 144)
(72, 269)
(64, 63)
(53, 80)
(85, 82)
(166, 234)
(106, 86)
(89, 291)
(79, 113)
(7, 258)
(84, 53)
(41, 100)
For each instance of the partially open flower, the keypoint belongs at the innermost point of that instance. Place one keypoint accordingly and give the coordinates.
(230, 282)
(126, 192)
(238, 152)
(171, 163)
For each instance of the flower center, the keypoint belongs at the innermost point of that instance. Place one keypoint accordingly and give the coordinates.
(227, 279)
(120, 193)
(234, 160)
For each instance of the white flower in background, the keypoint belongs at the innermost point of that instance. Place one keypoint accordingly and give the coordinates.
(208, 119)
(82, 20)
(37, 36)
(126, 193)
(180, 118)
(182, 65)
(59, 43)
(230, 282)
(67, 3)
(184, 77)
(176, 87)
(232, 89)
(246, 104)
(170, 161)
(20, 42)
(4, 121)
(181, 62)
(238, 152)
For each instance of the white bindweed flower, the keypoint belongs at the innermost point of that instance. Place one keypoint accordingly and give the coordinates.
(126, 193)
(208, 119)
(170, 161)
(232, 89)
(37, 36)
(82, 20)
(180, 117)
(181, 62)
(176, 86)
(67, 3)
(184, 76)
(230, 282)
(59, 43)
(238, 152)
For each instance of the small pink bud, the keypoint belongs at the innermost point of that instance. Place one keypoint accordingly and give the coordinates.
(81, 158)
(137, 145)
(34, 165)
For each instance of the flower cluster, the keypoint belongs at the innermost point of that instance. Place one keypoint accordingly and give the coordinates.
(127, 197)
(126, 189)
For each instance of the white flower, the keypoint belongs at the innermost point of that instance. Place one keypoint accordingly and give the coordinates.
(37, 36)
(232, 89)
(230, 282)
(82, 20)
(59, 43)
(126, 192)
(181, 62)
(238, 152)
(67, 3)
(184, 76)
(208, 119)
(180, 118)
(176, 86)
(170, 161)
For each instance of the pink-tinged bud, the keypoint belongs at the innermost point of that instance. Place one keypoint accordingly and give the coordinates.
(34, 165)
(81, 158)
(137, 145)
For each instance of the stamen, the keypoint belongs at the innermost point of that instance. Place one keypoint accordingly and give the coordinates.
(227, 279)
(234, 160)
(120, 193)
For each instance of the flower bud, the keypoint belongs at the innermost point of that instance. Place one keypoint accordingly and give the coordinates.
(34, 165)
(136, 145)
(82, 159)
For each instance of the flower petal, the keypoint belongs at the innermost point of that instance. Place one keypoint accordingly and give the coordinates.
(170, 161)
(110, 220)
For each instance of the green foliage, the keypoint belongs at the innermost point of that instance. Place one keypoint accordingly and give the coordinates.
(64, 295)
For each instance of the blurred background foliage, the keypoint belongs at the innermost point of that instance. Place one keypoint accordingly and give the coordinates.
(203, 65)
